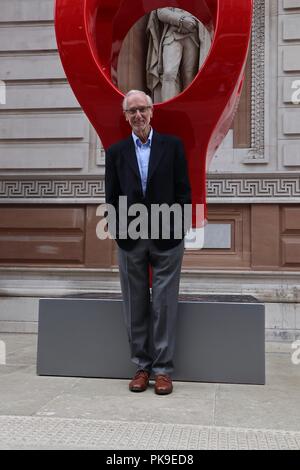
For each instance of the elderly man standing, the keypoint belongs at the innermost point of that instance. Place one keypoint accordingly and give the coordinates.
(148, 168)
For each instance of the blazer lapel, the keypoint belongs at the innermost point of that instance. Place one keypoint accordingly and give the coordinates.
(157, 150)
(130, 154)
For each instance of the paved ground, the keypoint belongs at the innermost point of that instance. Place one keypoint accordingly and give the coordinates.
(57, 412)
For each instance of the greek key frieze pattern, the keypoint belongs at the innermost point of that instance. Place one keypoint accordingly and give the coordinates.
(93, 189)
(51, 189)
(254, 187)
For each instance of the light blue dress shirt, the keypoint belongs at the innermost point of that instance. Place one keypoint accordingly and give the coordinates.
(143, 155)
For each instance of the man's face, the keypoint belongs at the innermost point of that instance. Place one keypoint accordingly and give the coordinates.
(138, 113)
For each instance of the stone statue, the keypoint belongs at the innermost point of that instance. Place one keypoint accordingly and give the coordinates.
(177, 43)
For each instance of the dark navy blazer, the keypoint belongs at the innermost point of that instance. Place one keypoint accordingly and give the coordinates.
(167, 182)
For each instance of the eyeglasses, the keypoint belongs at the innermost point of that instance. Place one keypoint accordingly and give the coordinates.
(141, 109)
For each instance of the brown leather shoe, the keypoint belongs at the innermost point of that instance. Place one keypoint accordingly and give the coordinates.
(140, 381)
(163, 384)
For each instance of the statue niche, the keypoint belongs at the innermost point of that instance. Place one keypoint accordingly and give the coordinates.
(162, 53)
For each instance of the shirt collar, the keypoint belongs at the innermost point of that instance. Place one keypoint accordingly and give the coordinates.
(137, 140)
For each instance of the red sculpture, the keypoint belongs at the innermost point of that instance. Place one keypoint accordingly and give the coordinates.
(90, 35)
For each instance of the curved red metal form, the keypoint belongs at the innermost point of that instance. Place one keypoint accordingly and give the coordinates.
(90, 35)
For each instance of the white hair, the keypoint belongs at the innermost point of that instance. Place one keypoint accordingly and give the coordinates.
(135, 92)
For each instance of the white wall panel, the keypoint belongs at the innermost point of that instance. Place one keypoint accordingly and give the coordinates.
(46, 126)
(27, 37)
(31, 67)
(289, 4)
(43, 156)
(26, 10)
(40, 96)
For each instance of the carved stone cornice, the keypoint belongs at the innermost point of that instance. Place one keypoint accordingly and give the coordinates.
(67, 189)
(257, 151)
(254, 188)
(235, 188)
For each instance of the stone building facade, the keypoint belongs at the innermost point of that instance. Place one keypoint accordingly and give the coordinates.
(52, 178)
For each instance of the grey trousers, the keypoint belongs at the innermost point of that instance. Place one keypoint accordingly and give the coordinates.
(151, 328)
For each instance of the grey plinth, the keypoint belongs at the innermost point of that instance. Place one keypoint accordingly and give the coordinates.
(219, 339)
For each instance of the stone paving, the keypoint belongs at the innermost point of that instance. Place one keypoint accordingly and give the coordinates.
(84, 413)
(24, 432)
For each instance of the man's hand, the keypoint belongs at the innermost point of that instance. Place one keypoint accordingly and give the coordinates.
(189, 23)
